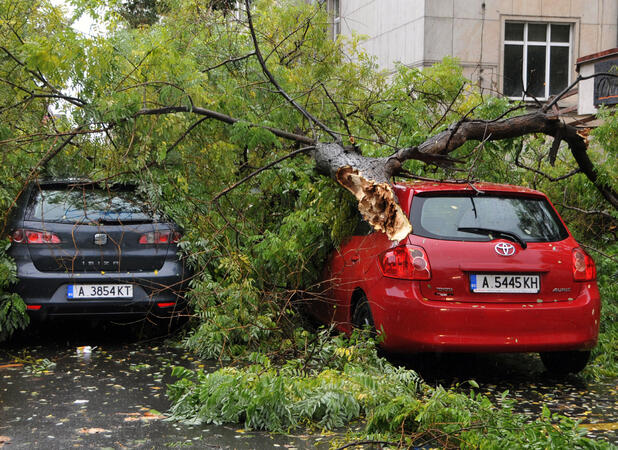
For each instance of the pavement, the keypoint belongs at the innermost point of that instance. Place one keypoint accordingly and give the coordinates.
(79, 385)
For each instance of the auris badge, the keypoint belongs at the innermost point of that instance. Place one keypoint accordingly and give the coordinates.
(100, 239)
(505, 249)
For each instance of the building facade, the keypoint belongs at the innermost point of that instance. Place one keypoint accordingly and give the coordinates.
(519, 48)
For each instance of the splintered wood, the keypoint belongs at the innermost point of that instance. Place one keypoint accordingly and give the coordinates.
(376, 202)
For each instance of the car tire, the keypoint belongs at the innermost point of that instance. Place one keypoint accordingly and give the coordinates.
(564, 363)
(362, 317)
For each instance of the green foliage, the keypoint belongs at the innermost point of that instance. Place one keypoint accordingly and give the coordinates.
(348, 381)
(13, 315)
(604, 361)
(141, 12)
(329, 391)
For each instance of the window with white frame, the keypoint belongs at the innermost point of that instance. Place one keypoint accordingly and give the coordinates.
(537, 58)
(334, 10)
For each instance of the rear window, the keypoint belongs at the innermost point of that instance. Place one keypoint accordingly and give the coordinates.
(442, 217)
(86, 204)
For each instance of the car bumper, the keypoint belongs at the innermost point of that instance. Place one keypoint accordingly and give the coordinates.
(158, 293)
(416, 326)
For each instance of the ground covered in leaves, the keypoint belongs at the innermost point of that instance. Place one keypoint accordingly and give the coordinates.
(102, 387)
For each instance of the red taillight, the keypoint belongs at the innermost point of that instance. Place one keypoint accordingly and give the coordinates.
(166, 304)
(18, 236)
(34, 237)
(160, 237)
(583, 266)
(33, 307)
(407, 262)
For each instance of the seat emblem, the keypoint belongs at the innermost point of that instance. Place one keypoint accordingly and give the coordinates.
(505, 249)
(100, 239)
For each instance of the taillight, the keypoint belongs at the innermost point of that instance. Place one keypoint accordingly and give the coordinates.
(160, 237)
(34, 237)
(583, 266)
(166, 304)
(18, 236)
(407, 262)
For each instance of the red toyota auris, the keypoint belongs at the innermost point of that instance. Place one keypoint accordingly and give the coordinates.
(487, 268)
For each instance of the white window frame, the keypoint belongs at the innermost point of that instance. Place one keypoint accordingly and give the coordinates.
(548, 45)
(334, 9)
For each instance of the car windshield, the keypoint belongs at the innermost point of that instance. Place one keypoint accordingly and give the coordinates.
(485, 217)
(86, 205)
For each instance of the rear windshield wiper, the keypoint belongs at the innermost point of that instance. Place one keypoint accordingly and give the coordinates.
(488, 231)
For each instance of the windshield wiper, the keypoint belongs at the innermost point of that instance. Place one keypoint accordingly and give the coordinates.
(489, 232)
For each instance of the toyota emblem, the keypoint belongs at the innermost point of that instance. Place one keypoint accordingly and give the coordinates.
(505, 249)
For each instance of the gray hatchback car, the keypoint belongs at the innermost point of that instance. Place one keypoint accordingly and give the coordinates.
(84, 250)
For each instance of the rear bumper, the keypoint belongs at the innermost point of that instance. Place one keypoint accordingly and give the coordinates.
(45, 293)
(413, 325)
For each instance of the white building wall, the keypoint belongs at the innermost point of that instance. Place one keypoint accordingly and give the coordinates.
(421, 32)
(393, 29)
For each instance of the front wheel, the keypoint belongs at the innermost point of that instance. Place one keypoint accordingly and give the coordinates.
(563, 363)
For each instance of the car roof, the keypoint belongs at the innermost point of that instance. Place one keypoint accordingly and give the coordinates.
(419, 186)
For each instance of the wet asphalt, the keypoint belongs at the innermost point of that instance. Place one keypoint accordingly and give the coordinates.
(72, 385)
(77, 385)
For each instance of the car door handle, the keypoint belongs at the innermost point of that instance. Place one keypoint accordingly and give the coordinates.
(354, 259)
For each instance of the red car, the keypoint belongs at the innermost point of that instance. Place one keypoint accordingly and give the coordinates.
(487, 268)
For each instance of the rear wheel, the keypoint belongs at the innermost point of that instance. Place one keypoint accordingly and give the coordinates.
(563, 363)
(362, 317)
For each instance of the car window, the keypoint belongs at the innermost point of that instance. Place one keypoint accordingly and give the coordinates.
(86, 205)
(443, 216)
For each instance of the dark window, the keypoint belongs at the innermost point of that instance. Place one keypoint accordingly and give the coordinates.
(560, 33)
(440, 217)
(536, 71)
(559, 75)
(536, 59)
(537, 32)
(513, 68)
(514, 32)
(86, 205)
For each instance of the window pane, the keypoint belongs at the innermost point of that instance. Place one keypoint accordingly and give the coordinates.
(560, 33)
(536, 70)
(558, 69)
(87, 205)
(441, 217)
(537, 32)
(514, 31)
(513, 66)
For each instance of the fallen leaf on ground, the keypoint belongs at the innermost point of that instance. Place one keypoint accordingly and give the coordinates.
(93, 430)
(599, 426)
(7, 366)
(153, 415)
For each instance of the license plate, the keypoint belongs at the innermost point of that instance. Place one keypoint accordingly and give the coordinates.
(505, 283)
(100, 291)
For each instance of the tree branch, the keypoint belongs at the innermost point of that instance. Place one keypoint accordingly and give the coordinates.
(261, 169)
(535, 122)
(276, 84)
(222, 118)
